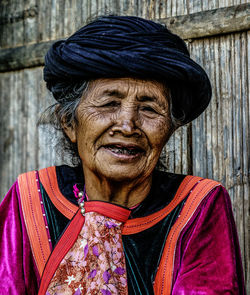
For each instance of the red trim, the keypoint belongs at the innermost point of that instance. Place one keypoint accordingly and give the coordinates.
(164, 275)
(65, 243)
(43, 211)
(71, 233)
(163, 279)
(34, 218)
(136, 225)
(108, 209)
(48, 179)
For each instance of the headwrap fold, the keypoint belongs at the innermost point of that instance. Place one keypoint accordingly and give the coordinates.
(127, 46)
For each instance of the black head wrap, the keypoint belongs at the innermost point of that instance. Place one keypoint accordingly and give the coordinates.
(127, 46)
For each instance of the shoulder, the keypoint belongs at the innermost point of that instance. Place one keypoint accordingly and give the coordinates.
(194, 190)
(208, 242)
(188, 185)
(186, 182)
(62, 171)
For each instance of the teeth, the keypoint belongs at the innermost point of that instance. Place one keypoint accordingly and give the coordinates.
(124, 151)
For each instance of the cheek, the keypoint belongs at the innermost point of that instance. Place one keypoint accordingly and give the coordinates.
(84, 132)
(82, 140)
(158, 133)
(91, 126)
(92, 117)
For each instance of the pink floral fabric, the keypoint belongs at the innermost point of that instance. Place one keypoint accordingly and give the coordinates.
(96, 263)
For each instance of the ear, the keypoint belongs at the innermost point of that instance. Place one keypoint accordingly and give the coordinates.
(70, 130)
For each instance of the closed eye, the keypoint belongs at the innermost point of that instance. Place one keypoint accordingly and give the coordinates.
(111, 104)
(149, 109)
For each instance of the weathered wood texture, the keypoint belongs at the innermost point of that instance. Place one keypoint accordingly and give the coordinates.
(215, 145)
(23, 146)
(24, 22)
(211, 22)
(220, 136)
(200, 24)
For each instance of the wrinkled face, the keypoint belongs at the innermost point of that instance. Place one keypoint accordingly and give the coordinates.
(122, 127)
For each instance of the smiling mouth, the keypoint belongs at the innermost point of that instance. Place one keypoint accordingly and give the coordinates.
(124, 150)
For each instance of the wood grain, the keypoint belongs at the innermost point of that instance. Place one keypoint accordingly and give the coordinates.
(201, 24)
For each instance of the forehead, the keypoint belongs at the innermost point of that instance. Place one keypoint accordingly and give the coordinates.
(128, 86)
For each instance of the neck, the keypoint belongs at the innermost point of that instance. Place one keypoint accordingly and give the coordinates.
(125, 193)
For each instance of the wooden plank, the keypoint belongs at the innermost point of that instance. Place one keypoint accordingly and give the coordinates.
(29, 23)
(24, 147)
(24, 56)
(209, 23)
(18, 22)
(7, 29)
(245, 153)
(47, 136)
(221, 134)
(53, 20)
(16, 15)
(246, 236)
(173, 8)
(7, 134)
(176, 154)
(16, 28)
(32, 20)
(69, 21)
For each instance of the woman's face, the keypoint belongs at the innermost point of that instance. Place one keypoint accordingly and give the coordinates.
(122, 127)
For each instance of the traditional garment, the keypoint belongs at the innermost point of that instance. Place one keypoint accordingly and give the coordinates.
(180, 240)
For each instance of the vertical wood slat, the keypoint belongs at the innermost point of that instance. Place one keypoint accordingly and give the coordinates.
(29, 24)
(228, 134)
(58, 19)
(17, 32)
(6, 133)
(24, 97)
(176, 154)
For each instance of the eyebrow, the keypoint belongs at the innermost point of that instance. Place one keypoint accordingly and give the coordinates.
(145, 98)
(114, 93)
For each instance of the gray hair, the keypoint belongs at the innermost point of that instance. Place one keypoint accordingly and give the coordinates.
(65, 111)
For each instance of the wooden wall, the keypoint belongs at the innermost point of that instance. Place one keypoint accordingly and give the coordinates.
(216, 145)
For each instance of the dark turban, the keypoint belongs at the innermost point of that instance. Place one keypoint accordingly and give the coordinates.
(127, 46)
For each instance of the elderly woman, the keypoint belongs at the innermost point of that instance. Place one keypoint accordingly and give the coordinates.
(114, 224)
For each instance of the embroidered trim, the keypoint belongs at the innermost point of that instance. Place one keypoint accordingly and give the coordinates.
(34, 217)
(108, 209)
(95, 264)
(43, 210)
(163, 279)
(65, 243)
(49, 181)
(71, 233)
(136, 225)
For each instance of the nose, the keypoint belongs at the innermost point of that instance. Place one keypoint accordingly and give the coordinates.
(126, 123)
